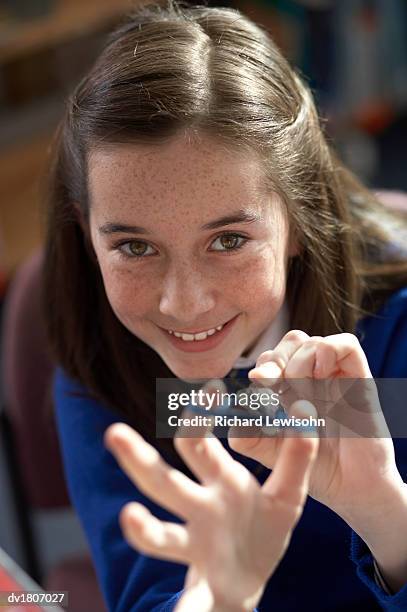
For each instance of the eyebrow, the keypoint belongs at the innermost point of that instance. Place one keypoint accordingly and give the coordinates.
(240, 216)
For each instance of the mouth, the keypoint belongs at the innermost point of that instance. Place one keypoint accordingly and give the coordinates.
(199, 341)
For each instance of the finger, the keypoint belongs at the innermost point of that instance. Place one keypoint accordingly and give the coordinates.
(204, 454)
(289, 480)
(271, 364)
(302, 361)
(206, 404)
(144, 466)
(207, 458)
(151, 536)
(326, 361)
(329, 356)
(350, 356)
(300, 372)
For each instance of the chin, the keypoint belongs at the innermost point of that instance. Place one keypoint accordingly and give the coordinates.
(195, 373)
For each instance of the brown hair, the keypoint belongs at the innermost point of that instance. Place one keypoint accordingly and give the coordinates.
(172, 68)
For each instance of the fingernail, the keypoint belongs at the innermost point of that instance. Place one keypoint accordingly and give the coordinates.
(270, 370)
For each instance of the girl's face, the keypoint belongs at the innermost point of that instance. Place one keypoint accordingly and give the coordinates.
(187, 241)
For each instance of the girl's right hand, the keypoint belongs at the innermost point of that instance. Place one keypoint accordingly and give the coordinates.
(235, 531)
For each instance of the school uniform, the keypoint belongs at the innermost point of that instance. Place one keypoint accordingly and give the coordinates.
(327, 567)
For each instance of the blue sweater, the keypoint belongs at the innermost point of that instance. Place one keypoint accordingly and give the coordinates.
(327, 566)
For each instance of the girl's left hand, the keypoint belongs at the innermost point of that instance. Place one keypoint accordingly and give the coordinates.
(355, 476)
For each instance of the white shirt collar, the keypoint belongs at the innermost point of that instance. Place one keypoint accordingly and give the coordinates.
(268, 339)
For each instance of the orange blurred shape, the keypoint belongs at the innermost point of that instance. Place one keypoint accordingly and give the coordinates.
(374, 117)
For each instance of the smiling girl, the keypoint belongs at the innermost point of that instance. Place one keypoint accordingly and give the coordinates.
(201, 226)
(189, 255)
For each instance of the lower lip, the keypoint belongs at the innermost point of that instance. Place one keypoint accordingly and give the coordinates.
(197, 346)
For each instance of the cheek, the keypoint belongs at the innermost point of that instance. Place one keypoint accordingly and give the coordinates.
(263, 279)
(129, 295)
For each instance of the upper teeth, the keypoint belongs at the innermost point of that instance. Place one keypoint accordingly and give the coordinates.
(201, 336)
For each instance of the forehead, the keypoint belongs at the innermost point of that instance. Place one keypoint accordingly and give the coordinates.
(193, 175)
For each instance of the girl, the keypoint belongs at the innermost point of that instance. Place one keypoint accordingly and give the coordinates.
(199, 226)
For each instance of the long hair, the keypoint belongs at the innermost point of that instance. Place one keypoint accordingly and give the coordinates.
(170, 69)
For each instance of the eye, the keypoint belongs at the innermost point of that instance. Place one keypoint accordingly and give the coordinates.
(138, 249)
(134, 249)
(230, 242)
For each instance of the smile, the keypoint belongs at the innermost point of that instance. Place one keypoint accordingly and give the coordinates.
(201, 341)
(199, 336)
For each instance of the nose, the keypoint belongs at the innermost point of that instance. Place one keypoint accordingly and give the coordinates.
(186, 295)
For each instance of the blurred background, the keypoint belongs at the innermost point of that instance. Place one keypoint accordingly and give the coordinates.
(353, 54)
